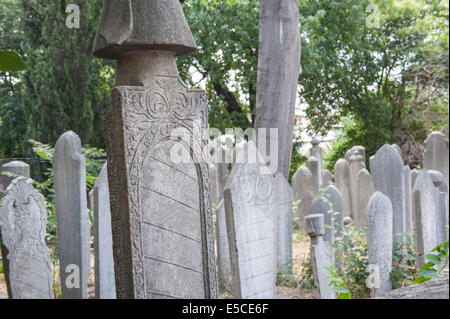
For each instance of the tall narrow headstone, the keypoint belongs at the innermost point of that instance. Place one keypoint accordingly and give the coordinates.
(356, 165)
(316, 151)
(252, 230)
(334, 197)
(365, 191)
(17, 168)
(414, 175)
(320, 256)
(23, 221)
(314, 167)
(379, 243)
(425, 206)
(322, 206)
(436, 154)
(302, 181)
(408, 200)
(327, 178)
(441, 188)
(278, 70)
(158, 172)
(105, 287)
(342, 181)
(69, 171)
(283, 202)
(388, 176)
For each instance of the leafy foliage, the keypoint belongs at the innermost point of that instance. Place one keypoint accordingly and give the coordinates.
(437, 261)
(338, 284)
(10, 61)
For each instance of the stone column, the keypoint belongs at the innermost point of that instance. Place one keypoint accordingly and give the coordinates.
(316, 151)
(314, 167)
(356, 164)
(302, 181)
(379, 243)
(69, 172)
(157, 149)
(17, 168)
(320, 256)
(342, 181)
(365, 191)
(105, 286)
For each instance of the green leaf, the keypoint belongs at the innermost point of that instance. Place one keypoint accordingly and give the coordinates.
(10, 61)
(428, 273)
(433, 258)
(341, 290)
(345, 296)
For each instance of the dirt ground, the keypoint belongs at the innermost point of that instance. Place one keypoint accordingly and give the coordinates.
(300, 243)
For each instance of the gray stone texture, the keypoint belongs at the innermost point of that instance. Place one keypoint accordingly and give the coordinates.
(327, 178)
(436, 154)
(252, 230)
(441, 205)
(425, 209)
(314, 167)
(23, 221)
(356, 165)
(105, 286)
(321, 256)
(162, 223)
(436, 288)
(302, 182)
(364, 193)
(17, 168)
(278, 71)
(408, 200)
(342, 181)
(322, 206)
(316, 151)
(69, 172)
(379, 242)
(388, 175)
(334, 197)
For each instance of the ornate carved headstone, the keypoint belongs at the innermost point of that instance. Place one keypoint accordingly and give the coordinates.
(23, 221)
(314, 167)
(379, 243)
(69, 171)
(17, 168)
(425, 207)
(157, 163)
(388, 175)
(302, 182)
(252, 230)
(321, 257)
(342, 181)
(105, 286)
(365, 191)
(436, 154)
(283, 202)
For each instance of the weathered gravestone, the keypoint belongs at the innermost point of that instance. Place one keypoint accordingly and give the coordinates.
(441, 205)
(408, 200)
(323, 207)
(157, 170)
(356, 165)
(23, 221)
(252, 230)
(69, 171)
(379, 243)
(302, 182)
(342, 181)
(15, 168)
(436, 154)
(364, 192)
(321, 258)
(314, 167)
(105, 287)
(316, 151)
(283, 202)
(398, 149)
(388, 175)
(334, 197)
(425, 202)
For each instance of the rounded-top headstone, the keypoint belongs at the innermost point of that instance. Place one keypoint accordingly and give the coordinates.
(14, 167)
(348, 221)
(437, 177)
(315, 225)
(134, 25)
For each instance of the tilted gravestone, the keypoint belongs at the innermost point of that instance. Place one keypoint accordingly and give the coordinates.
(365, 191)
(379, 243)
(23, 221)
(283, 202)
(314, 167)
(334, 197)
(388, 175)
(69, 171)
(322, 206)
(158, 174)
(356, 165)
(436, 155)
(252, 230)
(105, 286)
(14, 169)
(342, 181)
(425, 207)
(321, 257)
(302, 182)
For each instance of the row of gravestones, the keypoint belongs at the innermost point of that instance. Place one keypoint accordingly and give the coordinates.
(23, 220)
(390, 202)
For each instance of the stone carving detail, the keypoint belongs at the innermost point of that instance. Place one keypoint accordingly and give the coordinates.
(23, 224)
(147, 117)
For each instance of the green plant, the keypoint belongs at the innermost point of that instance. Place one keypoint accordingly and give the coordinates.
(435, 265)
(404, 268)
(306, 275)
(10, 61)
(338, 285)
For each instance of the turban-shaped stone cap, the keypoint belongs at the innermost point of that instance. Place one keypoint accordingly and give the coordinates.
(131, 25)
